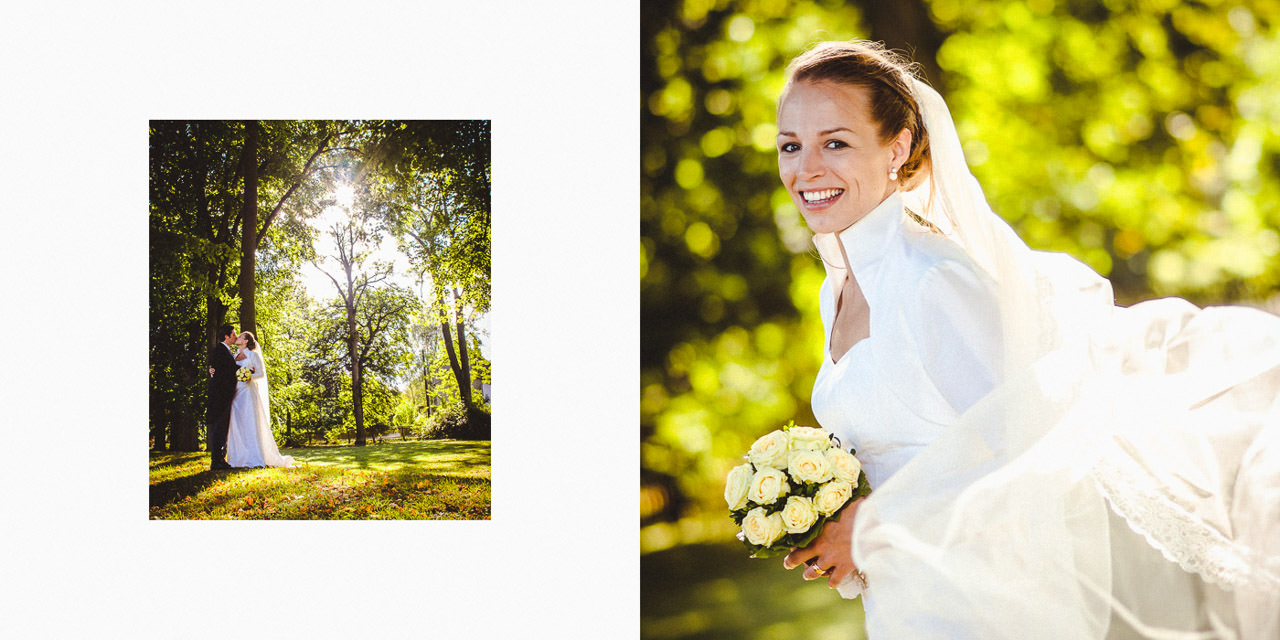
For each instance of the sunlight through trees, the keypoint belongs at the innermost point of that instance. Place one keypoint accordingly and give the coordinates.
(238, 208)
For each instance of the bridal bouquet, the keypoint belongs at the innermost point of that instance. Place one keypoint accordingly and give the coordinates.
(794, 480)
(244, 374)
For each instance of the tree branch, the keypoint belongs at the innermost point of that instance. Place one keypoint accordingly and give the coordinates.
(331, 278)
(306, 169)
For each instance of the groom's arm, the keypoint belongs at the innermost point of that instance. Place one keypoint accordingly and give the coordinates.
(220, 359)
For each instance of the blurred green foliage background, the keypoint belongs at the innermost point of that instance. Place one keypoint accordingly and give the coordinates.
(1140, 136)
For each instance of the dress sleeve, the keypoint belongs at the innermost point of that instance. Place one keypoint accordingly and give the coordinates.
(956, 322)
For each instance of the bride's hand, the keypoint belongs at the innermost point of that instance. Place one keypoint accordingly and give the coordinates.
(242, 356)
(831, 550)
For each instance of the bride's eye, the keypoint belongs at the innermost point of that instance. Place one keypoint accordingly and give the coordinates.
(788, 147)
(836, 144)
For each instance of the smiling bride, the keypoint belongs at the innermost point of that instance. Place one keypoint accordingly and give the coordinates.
(1043, 463)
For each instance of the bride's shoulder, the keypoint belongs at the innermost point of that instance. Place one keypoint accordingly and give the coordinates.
(937, 258)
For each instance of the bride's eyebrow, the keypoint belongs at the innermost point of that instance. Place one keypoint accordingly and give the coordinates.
(826, 132)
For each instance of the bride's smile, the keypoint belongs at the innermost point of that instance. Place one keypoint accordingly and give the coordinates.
(820, 198)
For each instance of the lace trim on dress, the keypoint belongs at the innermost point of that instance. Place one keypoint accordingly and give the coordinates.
(1151, 509)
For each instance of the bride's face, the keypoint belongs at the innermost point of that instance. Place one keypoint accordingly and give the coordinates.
(830, 156)
(240, 340)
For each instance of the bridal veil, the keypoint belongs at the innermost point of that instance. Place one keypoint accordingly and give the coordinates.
(1124, 479)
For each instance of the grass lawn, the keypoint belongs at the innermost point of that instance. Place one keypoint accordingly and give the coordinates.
(429, 480)
(714, 591)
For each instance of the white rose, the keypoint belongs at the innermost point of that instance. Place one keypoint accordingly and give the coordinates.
(762, 529)
(843, 465)
(808, 466)
(798, 515)
(770, 450)
(831, 496)
(767, 485)
(736, 486)
(809, 439)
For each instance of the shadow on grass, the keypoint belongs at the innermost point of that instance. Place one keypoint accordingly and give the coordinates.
(427, 479)
(716, 592)
(175, 458)
(170, 491)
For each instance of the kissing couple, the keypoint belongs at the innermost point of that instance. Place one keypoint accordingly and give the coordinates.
(239, 408)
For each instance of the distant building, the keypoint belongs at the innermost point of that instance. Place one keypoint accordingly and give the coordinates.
(483, 388)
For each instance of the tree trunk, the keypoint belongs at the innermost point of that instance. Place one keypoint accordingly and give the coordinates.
(907, 26)
(190, 428)
(426, 385)
(357, 381)
(184, 430)
(160, 424)
(462, 350)
(249, 220)
(464, 391)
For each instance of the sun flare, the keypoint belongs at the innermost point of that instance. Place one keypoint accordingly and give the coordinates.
(344, 195)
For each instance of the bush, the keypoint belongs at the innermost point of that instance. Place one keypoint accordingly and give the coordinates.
(453, 421)
(339, 434)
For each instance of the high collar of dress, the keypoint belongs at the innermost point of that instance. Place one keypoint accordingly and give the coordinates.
(865, 241)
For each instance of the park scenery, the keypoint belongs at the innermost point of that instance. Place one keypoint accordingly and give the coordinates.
(357, 253)
(1140, 138)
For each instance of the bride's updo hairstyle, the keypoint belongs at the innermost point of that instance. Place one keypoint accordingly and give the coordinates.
(887, 77)
(249, 340)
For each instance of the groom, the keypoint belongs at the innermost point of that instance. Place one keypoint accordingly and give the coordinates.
(222, 388)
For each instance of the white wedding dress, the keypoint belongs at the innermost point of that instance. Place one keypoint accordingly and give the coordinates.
(1043, 463)
(250, 442)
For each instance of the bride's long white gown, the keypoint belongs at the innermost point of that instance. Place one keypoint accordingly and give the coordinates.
(250, 442)
(1125, 485)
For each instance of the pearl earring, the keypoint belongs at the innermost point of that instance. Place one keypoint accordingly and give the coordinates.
(893, 174)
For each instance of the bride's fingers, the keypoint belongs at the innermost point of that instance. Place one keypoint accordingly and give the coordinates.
(838, 574)
(814, 571)
(798, 557)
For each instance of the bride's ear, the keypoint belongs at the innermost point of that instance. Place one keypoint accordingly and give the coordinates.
(900, 148)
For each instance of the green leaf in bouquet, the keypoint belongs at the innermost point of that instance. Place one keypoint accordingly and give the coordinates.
(758, 551)
(864, 487)
(807, 489)
(803, 539)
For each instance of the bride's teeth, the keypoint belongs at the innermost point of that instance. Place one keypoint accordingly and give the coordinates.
(814, 196)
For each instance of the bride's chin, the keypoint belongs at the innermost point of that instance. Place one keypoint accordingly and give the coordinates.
(819, 224)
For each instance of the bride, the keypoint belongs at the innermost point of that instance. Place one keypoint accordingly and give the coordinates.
(1043, 463)
(250, 442)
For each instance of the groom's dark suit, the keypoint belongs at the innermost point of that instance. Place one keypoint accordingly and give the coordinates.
(222, 388)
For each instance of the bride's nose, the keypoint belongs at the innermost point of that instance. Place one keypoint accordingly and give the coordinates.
(811, 164)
